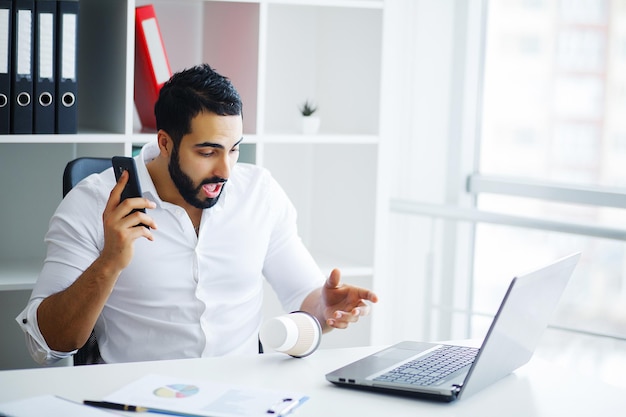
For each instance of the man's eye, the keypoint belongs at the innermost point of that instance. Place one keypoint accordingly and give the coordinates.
(234, 150)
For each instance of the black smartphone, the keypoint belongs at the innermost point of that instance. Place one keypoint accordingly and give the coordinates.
(133, 187)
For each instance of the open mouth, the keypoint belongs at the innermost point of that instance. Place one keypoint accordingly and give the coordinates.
(212, 190)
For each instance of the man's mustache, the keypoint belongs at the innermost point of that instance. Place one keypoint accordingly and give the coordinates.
(214, 180)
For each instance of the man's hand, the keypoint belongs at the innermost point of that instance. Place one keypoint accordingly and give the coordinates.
(120, 229)
(344, 304)
(336, 305)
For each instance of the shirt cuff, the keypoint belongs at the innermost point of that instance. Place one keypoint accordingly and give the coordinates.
(35, 342)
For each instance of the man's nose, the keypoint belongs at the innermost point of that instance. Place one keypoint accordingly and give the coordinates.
(222, 169)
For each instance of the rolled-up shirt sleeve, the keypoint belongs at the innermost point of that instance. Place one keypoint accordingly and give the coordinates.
(73, 242)
(35, 342)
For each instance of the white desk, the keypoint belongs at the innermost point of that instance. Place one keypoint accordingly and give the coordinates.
(537, 389)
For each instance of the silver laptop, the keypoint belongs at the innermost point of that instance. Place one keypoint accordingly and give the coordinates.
(447, 372)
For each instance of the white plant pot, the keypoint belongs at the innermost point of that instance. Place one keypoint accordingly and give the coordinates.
(310, 125)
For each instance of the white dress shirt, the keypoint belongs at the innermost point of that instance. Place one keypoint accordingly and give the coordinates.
(182, 295)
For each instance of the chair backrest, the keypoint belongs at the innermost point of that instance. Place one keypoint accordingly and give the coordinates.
(74, 172)
(80, 168)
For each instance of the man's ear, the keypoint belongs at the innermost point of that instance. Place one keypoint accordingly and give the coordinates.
(165, 143)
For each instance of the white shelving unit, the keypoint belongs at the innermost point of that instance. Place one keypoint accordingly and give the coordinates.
(278, 54)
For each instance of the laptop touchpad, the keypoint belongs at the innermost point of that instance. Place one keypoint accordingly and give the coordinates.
(395, 354)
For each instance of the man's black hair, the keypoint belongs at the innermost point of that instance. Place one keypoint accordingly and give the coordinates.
(190, 92)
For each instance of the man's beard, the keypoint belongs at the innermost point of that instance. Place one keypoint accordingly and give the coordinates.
(185, 185)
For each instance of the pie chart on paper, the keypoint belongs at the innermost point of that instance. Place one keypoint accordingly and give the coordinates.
(176, 391)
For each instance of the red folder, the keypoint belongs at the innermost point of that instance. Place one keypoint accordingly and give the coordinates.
(152, 68)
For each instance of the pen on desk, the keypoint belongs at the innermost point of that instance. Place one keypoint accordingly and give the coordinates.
(115, 406)
(135, 408)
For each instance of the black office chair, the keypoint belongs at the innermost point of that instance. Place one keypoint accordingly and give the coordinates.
(74, 172)
(80, 168)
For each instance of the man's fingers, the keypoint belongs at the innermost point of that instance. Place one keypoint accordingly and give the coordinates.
(116, 192)
(333, 279)
(362, 310)
(341, 319)
(368, 295)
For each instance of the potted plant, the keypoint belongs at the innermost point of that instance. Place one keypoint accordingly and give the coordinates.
(310, 122)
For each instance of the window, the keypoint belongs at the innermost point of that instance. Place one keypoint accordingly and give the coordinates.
(554, 101)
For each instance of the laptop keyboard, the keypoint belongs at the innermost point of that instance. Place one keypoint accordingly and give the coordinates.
(432, 368)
